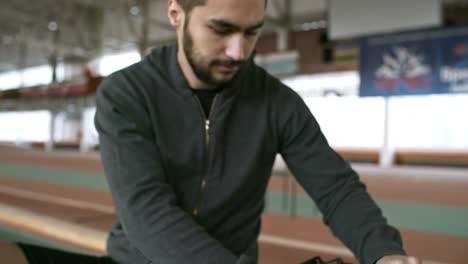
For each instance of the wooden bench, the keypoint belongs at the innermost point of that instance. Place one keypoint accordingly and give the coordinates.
(432, 158)
(446, 158)
(83, 238)
(359, 155)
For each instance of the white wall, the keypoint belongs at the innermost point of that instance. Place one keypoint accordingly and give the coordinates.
(90, 134)
(350, 121)
(23, 127)
(434, 121)
(67, 128)
(427, 122)
(352, 18)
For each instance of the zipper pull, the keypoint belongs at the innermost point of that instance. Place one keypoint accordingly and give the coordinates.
(207, 125)
(207, 132)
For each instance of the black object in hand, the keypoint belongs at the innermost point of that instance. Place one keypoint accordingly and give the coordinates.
(318, 260)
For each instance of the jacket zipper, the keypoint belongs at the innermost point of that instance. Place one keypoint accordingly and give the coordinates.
(196, 210)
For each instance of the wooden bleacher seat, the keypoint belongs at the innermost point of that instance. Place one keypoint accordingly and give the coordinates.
(84, 238)
(432, 157)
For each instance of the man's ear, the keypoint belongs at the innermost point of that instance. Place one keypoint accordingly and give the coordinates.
(175, 13)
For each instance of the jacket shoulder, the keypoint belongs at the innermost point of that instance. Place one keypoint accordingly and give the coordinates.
(134, 79)
(277, 90)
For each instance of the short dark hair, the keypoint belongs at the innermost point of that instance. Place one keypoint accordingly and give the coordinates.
(188, 5)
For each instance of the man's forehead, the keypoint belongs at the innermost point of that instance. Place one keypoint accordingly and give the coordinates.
(244, 13)
(248, 4)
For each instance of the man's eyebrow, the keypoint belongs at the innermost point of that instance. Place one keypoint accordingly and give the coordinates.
(228, 24)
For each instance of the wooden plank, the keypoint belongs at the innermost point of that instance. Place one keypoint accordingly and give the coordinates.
(73, 234)
(432, 157)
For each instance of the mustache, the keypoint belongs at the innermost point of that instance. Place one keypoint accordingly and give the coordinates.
(229, 63)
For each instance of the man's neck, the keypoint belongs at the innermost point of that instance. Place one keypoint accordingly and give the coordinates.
(187, 70)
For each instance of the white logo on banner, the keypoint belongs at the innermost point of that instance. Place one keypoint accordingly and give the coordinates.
(403, 69)
(402, 64)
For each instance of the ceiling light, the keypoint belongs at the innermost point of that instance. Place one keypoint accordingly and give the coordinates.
(134, 10)
(53, 26)
(314, 25)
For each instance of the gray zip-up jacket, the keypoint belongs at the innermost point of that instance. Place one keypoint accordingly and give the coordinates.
(190, 188)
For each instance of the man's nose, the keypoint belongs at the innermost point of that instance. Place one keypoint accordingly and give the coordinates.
(235, 47)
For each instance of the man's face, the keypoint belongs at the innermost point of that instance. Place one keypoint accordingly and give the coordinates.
(219, 37)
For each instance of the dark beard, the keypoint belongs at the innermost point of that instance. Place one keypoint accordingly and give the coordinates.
(201, 71)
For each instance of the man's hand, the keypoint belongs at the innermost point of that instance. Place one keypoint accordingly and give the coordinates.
(397, 259)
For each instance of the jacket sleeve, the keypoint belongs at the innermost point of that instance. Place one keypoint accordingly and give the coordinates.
(337, 190)
(145, 202)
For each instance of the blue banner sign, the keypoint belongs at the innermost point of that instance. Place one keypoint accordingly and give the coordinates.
(414, 63)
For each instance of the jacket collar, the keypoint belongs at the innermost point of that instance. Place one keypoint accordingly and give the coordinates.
(170, 65)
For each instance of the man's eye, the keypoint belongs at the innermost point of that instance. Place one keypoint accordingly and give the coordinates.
(221, 32)
(251, 33)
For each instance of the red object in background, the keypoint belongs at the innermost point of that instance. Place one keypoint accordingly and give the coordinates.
(387, 84)
(54, 90)
(461, 49)
(88, 73)
(420, 82)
